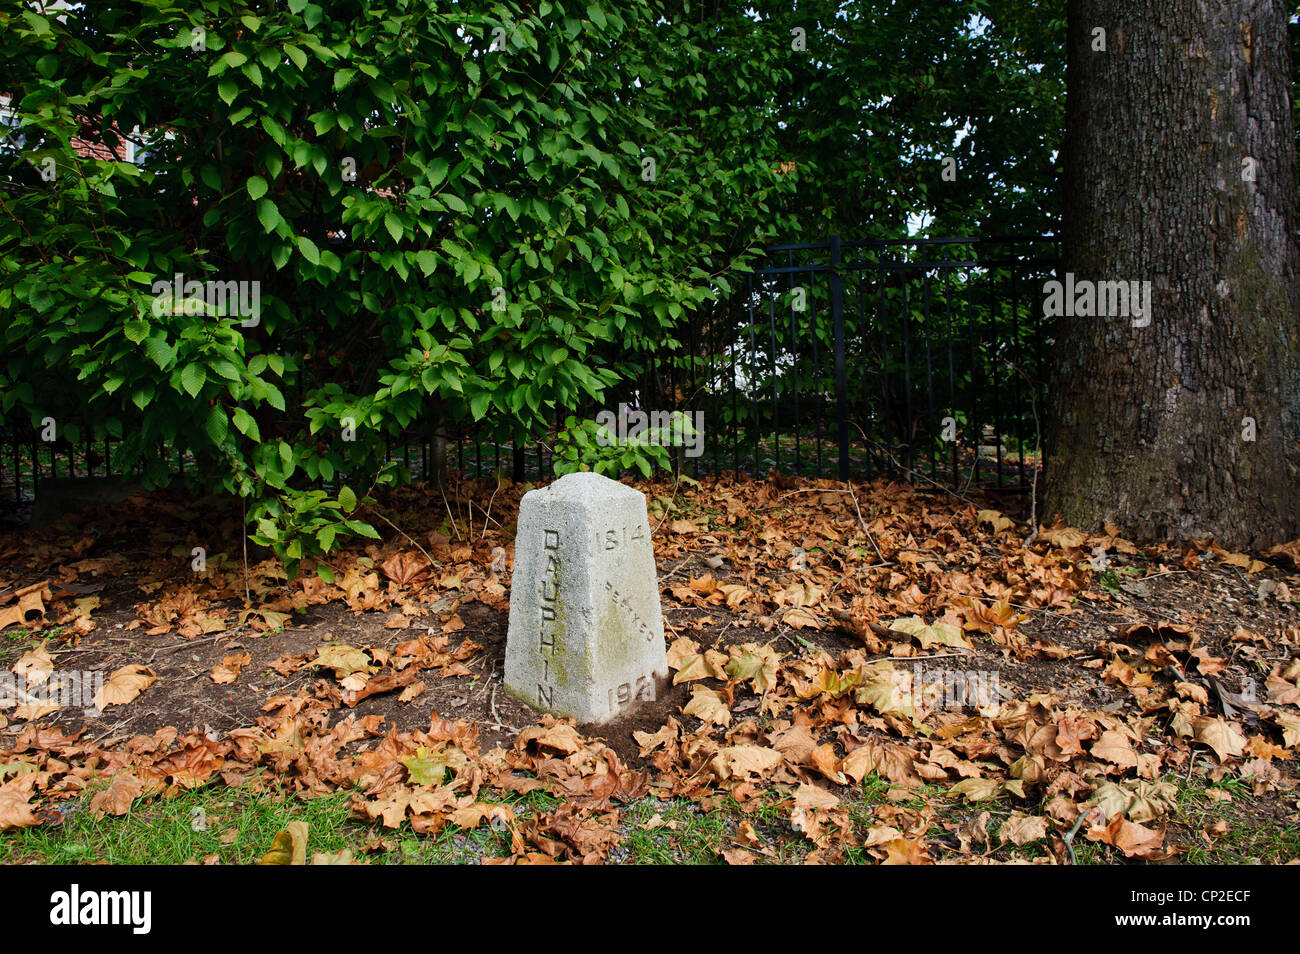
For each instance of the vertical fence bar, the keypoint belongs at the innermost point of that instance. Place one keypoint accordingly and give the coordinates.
(997, 378)
(818, 433)
(929, 366)
(952, 374)
(841, 385)
(884, 414)
(690, 386)
(794, 370)
(863, 324)
(776, 399)
(718, 397)
(749, 376)
(1020, 370)
(1040, 377)
(908, 429)
(974, 368)
(735, 397)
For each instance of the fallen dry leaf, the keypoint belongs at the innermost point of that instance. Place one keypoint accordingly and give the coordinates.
(227, 670)
(933, 634)
(343, 659)
(289, 846)
(1022, 829)
(1132, 839)
(1222, 736)
(743, 761)
(124, 685)
(15, 802)
(907, 851)
(117, 799)
(976, 789)
(708, 706)
(35, 666)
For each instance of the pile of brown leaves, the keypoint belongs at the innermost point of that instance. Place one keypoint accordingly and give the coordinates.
(911, 578)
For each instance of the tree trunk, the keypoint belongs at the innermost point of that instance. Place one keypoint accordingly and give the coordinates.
(1180, 170)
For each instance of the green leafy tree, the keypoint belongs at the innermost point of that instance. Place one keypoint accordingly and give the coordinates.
(449, 215)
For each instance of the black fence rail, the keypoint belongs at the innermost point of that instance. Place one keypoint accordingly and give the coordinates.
(919, 357)
(915, 356)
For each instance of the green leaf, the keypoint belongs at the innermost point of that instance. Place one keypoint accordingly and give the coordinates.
(193, 377)
(437, 171)
(478, 404)
(268, 215)
(226, 369)
(325, 539)
(217, 424)
(256, 187)
(394, 226)
(161, 353)
(309, 249)
(245, 424)
(427, 261)
(40, 26)
(347, 500)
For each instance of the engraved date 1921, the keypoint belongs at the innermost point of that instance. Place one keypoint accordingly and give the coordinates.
(642, 689)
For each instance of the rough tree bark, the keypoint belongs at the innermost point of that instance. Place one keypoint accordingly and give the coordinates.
(1180, 170)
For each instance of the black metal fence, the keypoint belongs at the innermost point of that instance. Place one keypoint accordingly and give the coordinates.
(921, 357)
(914, 357)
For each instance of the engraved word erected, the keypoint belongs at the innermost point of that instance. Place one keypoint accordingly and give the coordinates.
(624, 603)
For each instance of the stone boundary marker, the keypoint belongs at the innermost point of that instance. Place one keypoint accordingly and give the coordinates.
(586, 635)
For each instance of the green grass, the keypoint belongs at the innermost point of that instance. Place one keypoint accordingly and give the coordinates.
(697, 838)
(1252, 838)
(238, 825)
(16, 642)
